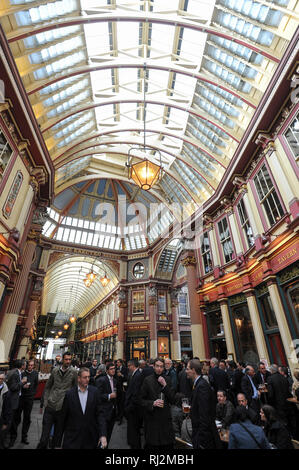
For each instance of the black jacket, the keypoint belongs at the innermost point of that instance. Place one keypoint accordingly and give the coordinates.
(158, 428)
(218, 379)
(184, 384)
(247, 388)
(148, 370)
(32, 378)
(82, 431)
(132, 400)
(15, 386)
(203, 415)
(278, 391)
(109, 406)
(6, 413)
(236, 381)
(257, 379)
(225, 413)
(278, 435)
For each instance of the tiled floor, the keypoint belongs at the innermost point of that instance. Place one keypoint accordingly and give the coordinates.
(118, 439)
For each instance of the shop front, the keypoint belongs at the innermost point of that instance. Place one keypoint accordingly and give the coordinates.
(137, 345)
(216, 333)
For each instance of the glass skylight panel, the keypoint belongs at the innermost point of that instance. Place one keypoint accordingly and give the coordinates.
(193, 45)
(56, 50)
(65, 93)
(162, 40)
(61, 84)
(76, 134)
(202, 8)
(127, 36)
(46, 12)
(59, 65)
(74, 125)
(237, 49)
(217, 101)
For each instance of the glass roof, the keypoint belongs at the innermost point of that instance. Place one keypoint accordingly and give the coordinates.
(203, 66)
(64, 291)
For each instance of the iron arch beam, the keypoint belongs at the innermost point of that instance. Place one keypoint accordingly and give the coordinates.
(154, 147)
(116, 130)
(90, 68)
(26, 32)
(166, 103)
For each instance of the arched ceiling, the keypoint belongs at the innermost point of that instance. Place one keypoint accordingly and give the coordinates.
(64, 291)
(208, 64)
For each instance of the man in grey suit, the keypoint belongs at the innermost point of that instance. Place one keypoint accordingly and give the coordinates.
(15, 383)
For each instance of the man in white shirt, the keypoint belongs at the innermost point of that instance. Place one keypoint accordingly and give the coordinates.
(84, 423)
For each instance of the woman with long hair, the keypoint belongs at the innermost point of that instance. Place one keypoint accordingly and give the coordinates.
(276, 432)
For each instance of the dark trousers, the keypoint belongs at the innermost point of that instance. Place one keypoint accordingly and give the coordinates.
(110, 425)
(25, 407)
(3, 436)
(120, 402)
(134, 423)
(51, 417)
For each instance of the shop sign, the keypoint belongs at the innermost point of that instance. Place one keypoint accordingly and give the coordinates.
(285, 258)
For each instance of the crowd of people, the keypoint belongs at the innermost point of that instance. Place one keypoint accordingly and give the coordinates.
(201, 404)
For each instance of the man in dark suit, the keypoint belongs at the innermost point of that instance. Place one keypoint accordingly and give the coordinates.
(26, 400)
(252, 414)
(107, 389)
(156, 397)
(261, 378)
(83, 420)
(146, 369)
(249, 389)
(184, 384)
(15, 383)
(132, 405)
(5, 411)
(218, 377)
(203, 410)
(237, 377)
(278, 390)
(121, 378)
(93, 371)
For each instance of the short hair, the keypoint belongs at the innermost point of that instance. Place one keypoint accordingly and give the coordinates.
(284, 370)
(222, 391)
(273, 368)
(241, 413)
(152, 361)
(120, 360)
(262, 364)
(159, 359)
(248, 367)
(133, 362)
(109, 364)
(18, 363)
(232, 364)
(296, 374)
(196, 365)
(101, 367)
(142, 361)
(83, 369)
(241, 393)
(242, 364)
(66, 353)
(214, 360)
(168, 359)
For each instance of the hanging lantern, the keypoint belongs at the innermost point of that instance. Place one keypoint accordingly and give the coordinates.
(66, 326)
(59, 333)
(91, 276)
(72, 319)
(105, 280)
(87, 282)
(145, 174)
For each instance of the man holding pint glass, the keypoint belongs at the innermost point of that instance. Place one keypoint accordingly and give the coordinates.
(107, 388)
(156, 397)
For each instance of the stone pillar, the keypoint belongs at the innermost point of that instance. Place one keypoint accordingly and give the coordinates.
(122, 306)
(10, 319)
(257, 326)
(25, 209)
(230, 346)
(153, 321)
(288, 343)
(250, 215)
(214, 247)
(235, 234)
(28, 325)
(197, 333)
(176, 352)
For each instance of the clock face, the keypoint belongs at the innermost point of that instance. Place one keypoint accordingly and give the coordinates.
(138, 270)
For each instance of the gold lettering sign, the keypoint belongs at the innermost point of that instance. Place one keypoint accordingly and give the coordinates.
(236, 286)
(288, 255)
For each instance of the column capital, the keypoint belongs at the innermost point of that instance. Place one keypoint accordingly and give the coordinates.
(188, 259)
(223, 302)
